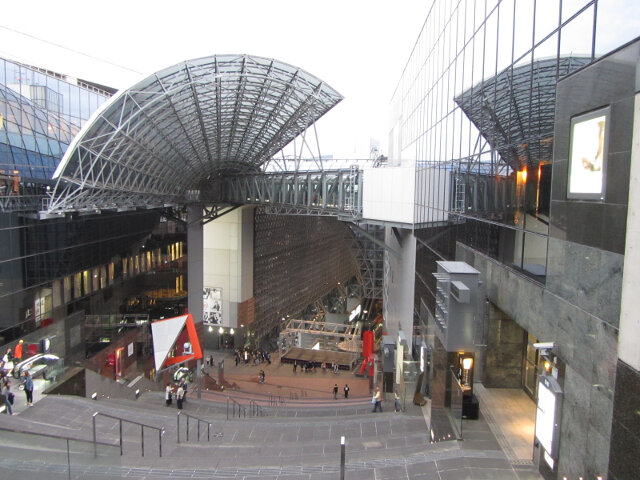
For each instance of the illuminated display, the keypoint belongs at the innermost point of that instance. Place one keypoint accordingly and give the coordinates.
(587, 161)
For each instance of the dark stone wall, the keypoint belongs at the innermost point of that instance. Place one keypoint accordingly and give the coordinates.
(504, 355)
(624, 461)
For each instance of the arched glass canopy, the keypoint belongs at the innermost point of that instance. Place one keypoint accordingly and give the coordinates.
(165, 140)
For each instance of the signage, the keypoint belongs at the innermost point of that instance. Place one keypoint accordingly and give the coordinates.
(588, 155)
(212, 306)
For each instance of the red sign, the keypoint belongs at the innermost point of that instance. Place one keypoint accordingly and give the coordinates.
(111, 359)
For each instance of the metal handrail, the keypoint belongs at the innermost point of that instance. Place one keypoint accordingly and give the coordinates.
(59, 437)
(199, 420)
(242, 411)
(255, 409)
(141, 425)
(275, 400)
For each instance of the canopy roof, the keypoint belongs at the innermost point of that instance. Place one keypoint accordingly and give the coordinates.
(515, 110)
(166, 139)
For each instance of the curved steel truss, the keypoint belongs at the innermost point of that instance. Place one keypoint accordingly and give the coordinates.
(172, 135)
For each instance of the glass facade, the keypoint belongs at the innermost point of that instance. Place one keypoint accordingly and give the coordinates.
(49, 268)
(474, 111)
(40, 113)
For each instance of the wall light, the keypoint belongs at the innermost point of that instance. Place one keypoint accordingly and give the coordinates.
(232, 331)
(221, 330)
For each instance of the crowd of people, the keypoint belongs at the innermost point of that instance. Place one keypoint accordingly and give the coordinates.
(177, 390)
(255, 357)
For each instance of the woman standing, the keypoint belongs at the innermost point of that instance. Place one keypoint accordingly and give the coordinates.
(28, 387)
(6, 391)
(168, 394)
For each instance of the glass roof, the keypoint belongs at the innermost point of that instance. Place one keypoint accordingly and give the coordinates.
(515, 110)
(169, 136)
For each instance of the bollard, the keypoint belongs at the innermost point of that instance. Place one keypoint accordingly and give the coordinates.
(341, 458)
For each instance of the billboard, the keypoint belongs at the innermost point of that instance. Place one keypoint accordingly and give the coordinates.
(588, 155)
(212, 306)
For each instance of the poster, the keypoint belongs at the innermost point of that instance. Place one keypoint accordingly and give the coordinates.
(588, 155)
(212, 306)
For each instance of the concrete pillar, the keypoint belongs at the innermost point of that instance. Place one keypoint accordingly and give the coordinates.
(195, 277)
(628, 350)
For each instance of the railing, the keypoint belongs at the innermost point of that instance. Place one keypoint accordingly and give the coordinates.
(61, 449)
(199, 421)
(120, 420)
(242, 410)
(255, 410)
(276, 400)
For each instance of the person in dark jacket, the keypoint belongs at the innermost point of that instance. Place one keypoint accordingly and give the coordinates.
(28, 387)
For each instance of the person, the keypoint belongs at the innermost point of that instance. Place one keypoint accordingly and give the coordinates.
(397, 402)
(168, 394)
(17, 352)
(183, 385)
(7, 357)
(6, 390)
(377, 400)
(213, 363)
(28, 388)
(346, 391)
(179, 396)
(295, 365)
(335, 391)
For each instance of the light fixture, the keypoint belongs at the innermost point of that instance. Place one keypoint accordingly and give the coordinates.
(210, 328)
(547, 365)
(221, 330)
(232, 331)
(467, 362)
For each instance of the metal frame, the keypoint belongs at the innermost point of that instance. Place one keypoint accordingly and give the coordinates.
(168, 139)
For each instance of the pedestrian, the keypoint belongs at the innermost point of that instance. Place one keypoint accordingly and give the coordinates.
(346, 391)
(295, 365)
(377, 400)
(212, 362)
(335, 391)
(183, 385)
(7, 357)
(17, 352)
(179, 396)
(168, 394)
(397, 402)
(7, 396)
(28, 388)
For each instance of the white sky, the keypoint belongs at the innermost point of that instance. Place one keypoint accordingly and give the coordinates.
(359, 47)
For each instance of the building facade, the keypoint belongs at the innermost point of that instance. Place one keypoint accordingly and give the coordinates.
(488, 104)
(50, 268)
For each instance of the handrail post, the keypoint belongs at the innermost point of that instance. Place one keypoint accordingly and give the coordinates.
(120, 437)
(227, 408)
(142, 438)
(69, 459)
(178, 430)
(208, 425)
(198, 429)
(187, 428)
(95, 446)
(160, 432)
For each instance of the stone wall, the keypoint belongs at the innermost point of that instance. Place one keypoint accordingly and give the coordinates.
(585, 343)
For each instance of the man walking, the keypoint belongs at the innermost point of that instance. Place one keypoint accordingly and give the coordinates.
(377, 400)
(346, 391)
(335, 391)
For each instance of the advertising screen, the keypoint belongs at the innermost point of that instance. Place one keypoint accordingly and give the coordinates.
(588, 154)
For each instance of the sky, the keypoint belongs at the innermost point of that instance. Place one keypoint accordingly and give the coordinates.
(358, 47)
